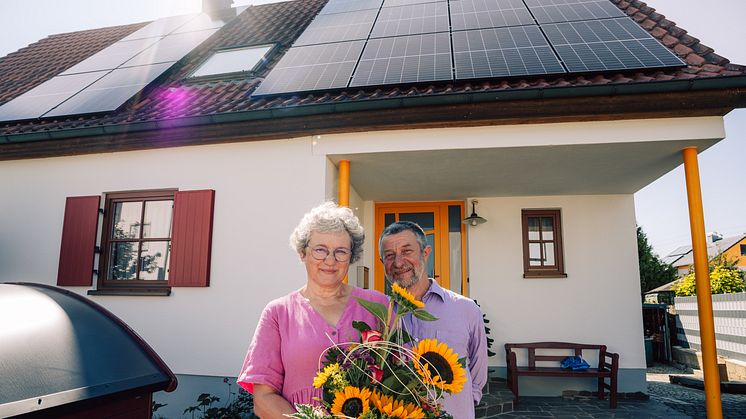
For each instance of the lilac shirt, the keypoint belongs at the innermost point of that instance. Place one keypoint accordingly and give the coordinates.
(460, 325)
(287, 347)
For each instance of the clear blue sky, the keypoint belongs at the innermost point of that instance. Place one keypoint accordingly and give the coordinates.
(661, 206)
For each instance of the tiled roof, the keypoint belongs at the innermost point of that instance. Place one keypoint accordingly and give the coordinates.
(283, 22)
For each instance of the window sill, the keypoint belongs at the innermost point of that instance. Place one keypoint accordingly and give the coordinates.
(545, 275)
(154, 292)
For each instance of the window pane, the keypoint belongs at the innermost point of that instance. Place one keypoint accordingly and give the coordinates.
(454, 242)
(154, 261)
(389, 219)
(533, 228)
(549, 254)
(426, 220)
(431, 260)
(127, 220)
(230, 61)
(534, 254)
(122, 260)
(547, 228)
(454, 218)
(157, 223)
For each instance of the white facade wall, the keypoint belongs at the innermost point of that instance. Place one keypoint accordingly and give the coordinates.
(261, 191)
(598, 302)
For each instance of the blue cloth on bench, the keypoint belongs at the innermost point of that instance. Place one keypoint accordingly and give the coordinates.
(574, 363)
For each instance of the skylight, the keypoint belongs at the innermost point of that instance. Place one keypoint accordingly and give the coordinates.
(233, 61)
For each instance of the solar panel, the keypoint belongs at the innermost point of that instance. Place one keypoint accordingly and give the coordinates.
(548, 11)
(110, 91)
(112, 56)
(338, 27)
(46, 96)
(480, 14)
(500, 52)
(170, 48)
(610, 44)
(160, 27)
(314, 67)
(411, 20)
(341, 6)
(394, 3)
(405, 59)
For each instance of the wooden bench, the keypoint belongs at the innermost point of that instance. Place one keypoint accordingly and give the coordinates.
(608, 365)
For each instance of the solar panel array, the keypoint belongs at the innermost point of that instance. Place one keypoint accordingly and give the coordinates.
(107, 79)
(412, 41)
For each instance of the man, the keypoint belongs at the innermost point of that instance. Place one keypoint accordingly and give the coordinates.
(404, 251)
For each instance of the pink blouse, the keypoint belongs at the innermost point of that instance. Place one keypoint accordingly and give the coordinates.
(289, 343)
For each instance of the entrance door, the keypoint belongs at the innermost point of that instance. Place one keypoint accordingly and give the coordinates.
(444, 231)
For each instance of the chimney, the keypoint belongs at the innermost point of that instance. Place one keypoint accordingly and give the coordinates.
(219, 9)
(714, 236)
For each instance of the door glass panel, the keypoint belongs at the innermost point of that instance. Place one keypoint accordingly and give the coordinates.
(431, 260)
(547, 228)
(388, 219)
(426, 220)
(454, 218)
(549, 254)
(454, 247)
(533, 228)
(534, 254)
(127, 220)
(154, 260)
(157, 222)
(122, 264)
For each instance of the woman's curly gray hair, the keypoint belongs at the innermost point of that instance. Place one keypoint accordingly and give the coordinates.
(329, 218)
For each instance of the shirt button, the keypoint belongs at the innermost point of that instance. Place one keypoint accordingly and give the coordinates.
(334, 333)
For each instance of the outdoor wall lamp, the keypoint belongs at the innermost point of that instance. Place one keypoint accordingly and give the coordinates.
(474, 219)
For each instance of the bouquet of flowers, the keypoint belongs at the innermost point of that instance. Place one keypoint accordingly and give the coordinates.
(387, 374)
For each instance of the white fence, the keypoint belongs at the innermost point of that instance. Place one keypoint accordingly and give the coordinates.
(729, 311)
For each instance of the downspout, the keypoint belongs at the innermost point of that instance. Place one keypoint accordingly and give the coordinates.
(702, 275)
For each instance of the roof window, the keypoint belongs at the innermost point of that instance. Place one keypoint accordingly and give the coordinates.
(233, 60)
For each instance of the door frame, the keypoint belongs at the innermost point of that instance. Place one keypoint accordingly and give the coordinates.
(442, 258)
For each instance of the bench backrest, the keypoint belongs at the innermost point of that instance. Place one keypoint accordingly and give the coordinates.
(577, 348)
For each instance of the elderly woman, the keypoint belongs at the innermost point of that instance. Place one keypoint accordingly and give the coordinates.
(294, 330)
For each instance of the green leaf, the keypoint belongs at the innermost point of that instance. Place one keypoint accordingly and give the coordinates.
(462, 362)
(360, 326)
(376, 309)
(424, 315)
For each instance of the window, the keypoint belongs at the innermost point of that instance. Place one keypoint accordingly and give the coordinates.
(150, 241)
(542, 243)
(743, 250)
(233, 61)
(136, 239)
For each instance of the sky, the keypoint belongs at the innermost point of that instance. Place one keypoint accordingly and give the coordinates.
(661, 207)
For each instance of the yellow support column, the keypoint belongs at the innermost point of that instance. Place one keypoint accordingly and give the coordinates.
(343, 193)
(344, 183)
(702, 274)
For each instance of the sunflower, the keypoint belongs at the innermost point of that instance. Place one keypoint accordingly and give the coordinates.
(405, 298)
(352, 402)
(437, 363)
(396, 408)
(322, 376)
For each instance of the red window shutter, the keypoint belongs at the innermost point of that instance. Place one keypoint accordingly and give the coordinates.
(191, 239)
(78, 241)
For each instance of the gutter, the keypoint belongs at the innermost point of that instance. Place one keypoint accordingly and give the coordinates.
(715, 83)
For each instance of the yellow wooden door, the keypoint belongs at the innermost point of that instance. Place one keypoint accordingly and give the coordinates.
(444, 231)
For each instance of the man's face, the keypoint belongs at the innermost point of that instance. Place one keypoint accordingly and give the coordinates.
(403, 261)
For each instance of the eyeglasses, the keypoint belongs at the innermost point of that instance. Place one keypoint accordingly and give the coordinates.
(341, 254)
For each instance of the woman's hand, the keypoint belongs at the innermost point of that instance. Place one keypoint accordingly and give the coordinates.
(269, 404)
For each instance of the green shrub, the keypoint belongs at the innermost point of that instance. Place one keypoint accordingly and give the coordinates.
(725, 278)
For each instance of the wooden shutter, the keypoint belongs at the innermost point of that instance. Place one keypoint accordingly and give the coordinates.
(191, 239)
(78, 241)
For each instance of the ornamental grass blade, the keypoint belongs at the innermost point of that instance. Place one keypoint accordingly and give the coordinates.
(376, 309)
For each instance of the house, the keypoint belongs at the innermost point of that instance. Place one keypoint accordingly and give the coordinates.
(732, 248)
(165, 188)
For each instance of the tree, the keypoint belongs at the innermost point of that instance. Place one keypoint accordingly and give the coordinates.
(653, 272)
(725, 278)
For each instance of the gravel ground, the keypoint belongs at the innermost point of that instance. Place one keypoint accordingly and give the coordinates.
(689, 401)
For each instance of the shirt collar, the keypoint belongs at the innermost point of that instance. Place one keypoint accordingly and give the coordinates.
(435, 289)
